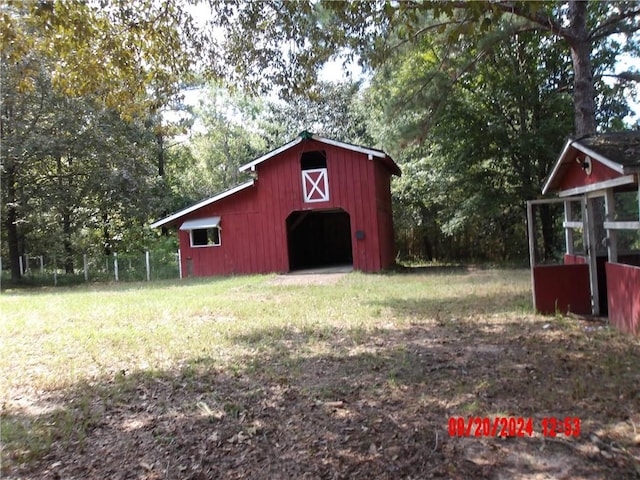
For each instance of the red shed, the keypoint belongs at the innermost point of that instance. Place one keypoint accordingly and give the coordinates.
(596, 178)
(313, 202)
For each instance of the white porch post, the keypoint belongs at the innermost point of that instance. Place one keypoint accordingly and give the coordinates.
(532, 247)
(115, 265)
(147, 265)
(592, 252)
(610, 214)
(568, 232)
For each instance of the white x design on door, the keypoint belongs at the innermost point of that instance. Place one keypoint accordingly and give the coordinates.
(315, 187)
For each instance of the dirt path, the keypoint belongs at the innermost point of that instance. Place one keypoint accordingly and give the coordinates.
(317, 276)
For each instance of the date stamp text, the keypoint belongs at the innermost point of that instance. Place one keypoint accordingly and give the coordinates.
(513, 427)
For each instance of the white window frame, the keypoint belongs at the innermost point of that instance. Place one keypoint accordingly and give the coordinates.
(208, 244)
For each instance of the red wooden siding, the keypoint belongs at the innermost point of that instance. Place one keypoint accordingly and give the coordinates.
(562, 288)
(572, 259)
(253, 221)
(575, 175)
(385, 217)
(624, 296)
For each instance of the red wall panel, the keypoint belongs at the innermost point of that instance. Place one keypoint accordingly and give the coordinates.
(562, 288)
(623, 283)
(575, 175)
(571, 259)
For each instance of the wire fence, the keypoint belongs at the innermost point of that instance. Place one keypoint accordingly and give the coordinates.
(118, 267)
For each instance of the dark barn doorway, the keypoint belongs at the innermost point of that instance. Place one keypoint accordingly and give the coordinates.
(319, 239)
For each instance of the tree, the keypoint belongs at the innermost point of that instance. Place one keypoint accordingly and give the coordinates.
(293, 40)
(333, 110)
(79, 168)
(114, 50)
(226, 137)
(111, 53)
(489, 149)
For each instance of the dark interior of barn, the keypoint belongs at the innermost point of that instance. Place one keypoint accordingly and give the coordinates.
(319, 239)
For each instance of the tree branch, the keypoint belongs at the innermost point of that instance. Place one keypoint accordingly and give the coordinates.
(545, 21)
(540, 19)
(625, 76)
(612, 25)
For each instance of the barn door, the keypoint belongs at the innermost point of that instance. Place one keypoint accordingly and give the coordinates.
(319, 239)
(315, 187)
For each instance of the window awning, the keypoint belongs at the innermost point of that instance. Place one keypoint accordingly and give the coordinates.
(208, 222)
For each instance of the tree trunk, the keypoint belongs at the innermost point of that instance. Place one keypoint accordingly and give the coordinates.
(583, 87)
(106, 237)
(160, 143)
(12, 240)
(10, 193)
(11, 223)
(65, 212)
(68, 247)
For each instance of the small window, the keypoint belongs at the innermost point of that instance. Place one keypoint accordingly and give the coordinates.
(313, 160)
(205, 237)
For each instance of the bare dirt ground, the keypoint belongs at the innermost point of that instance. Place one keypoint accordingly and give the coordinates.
(376, 410)
(319, 276)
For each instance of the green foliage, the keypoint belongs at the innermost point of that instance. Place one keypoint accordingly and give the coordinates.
(81, 86)
(225, 138)
(469, 169)
(116, 51)
(332, 110)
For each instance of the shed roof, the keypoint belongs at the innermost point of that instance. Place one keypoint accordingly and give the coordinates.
(372, 152)
(185, 211)
(619, 151)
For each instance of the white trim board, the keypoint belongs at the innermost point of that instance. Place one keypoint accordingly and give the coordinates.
(614, 182)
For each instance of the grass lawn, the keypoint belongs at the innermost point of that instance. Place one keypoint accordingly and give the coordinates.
(251, 377)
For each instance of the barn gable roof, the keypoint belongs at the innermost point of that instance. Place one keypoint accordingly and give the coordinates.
(371, 152)
(185, 211)
(618, 151)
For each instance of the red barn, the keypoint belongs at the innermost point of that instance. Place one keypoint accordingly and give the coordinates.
(597, 180)
(313, 202)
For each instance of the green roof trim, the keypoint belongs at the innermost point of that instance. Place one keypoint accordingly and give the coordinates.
(306, 135)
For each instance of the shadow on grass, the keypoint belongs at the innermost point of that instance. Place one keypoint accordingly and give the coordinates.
(470, 305)
(338, 403)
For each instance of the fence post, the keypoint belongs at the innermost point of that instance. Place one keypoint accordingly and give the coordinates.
(179, 265)
(115, 265)
(41, 265)
(55, 272)
(21, 266)
(146, 258)
(85, 266)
